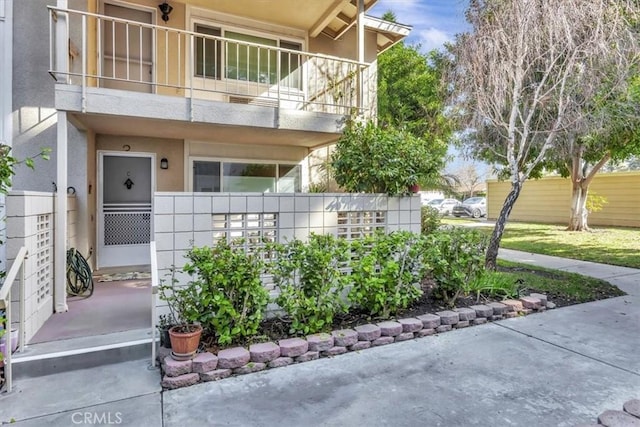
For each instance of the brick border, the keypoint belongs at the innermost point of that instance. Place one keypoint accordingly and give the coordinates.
(238, 360)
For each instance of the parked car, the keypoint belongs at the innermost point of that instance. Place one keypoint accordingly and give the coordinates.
(444, 206)
(474, 207)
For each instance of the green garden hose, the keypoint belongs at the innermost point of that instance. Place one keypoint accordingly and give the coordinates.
(79, 276)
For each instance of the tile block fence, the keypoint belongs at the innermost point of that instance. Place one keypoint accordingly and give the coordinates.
(238, 360)
(30, 220)
(184, 220)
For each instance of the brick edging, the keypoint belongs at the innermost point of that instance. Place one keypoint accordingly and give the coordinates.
(239, 360)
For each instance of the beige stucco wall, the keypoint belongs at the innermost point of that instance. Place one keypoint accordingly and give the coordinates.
(172, 149)
(246, 151)
(346, 46)
(548, 200)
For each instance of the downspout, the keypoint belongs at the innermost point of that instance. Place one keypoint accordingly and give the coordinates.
(60, 266)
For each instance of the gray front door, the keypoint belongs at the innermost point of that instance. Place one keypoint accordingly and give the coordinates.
(124, 208)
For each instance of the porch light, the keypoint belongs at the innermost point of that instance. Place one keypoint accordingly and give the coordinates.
(164, 163)
(166, 9)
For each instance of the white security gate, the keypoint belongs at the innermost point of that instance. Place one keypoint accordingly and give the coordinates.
(125, 208)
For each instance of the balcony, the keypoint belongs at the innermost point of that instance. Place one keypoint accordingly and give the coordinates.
(197, 68)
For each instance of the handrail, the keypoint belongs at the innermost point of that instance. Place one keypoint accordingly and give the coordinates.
(225, 69)
(193, 33)
(154, 292)
(17, 268)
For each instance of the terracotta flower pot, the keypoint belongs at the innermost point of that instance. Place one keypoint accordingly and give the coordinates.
(184, 345)
(414, 188)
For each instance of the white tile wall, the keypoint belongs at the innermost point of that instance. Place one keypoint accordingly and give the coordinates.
(23, 209)
(297, 216)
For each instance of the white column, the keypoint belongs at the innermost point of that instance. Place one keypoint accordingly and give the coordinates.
(360, 25)
(6, 97)
(60, 256)
(60, 267)
(360, 28)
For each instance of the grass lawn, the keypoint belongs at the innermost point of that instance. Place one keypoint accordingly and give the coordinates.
(607, 245)
(561, 287)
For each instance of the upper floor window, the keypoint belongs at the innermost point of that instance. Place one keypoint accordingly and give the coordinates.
(244, 60)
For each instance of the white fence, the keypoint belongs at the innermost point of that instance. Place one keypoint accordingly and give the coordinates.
(30, 223)
(185, 220)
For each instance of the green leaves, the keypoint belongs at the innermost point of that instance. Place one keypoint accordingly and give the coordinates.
(457, 259)
(310, 280)
(226, 295)
(386, 272)
(370, 159)
(323, 277)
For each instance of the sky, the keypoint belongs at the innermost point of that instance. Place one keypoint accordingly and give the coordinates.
(434, 22)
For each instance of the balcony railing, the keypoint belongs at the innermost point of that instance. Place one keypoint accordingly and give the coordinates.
(104, 51)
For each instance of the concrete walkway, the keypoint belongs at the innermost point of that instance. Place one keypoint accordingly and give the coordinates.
(562, 367)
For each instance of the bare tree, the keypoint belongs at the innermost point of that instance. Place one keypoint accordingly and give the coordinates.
(523, 75)
(469, 179)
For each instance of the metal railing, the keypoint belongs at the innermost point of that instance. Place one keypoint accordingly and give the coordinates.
(16, 271)
(110, 52)
(154, 291)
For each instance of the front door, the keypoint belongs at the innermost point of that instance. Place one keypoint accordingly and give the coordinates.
(127, 59)
(126, 183)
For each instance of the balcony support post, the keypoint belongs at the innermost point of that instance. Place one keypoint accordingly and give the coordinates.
(361, 42)
(60, 239)
(62, 44)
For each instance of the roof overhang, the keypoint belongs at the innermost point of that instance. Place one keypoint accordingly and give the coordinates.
(388, 33)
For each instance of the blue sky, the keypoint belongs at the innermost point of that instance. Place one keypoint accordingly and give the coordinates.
(434, 21)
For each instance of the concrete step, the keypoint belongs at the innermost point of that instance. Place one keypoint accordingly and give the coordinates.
(80, 353)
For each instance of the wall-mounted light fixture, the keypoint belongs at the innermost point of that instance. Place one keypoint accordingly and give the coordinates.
(166, 9)
(164, 163)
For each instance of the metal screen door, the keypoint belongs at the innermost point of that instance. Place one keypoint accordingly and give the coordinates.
(125, 209)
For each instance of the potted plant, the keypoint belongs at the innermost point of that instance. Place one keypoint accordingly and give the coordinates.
(184, 335)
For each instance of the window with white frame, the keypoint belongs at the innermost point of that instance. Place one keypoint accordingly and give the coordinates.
(253, 58)
(250, 176)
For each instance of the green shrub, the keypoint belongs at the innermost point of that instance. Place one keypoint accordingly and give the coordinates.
(386, 271)
(457, 260)
(493, 284)
(430, 219)
(226, 295)
(372, 159)
(310, 281)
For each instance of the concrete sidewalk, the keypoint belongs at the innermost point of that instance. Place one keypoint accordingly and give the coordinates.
(562, 367)
(627, 279)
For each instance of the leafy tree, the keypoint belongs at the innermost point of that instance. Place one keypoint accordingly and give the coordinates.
(411, 92)
(526, 73)
(608, 131)
(371, 159)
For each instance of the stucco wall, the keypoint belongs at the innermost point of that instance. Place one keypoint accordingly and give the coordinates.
(346, 46)
(548, 200)
(34, 119)
(172, 149)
